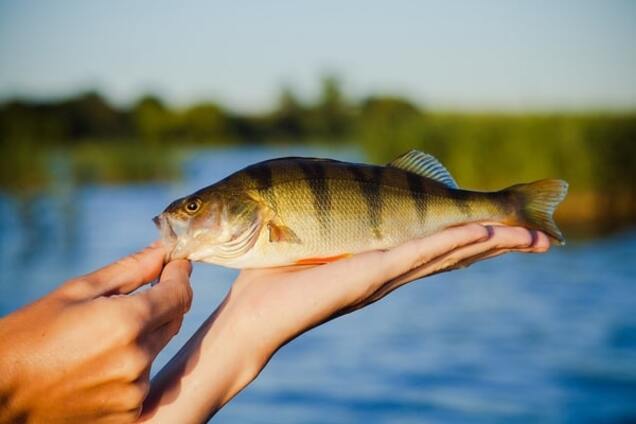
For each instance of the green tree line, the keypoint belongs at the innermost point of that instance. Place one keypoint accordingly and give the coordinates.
(151, 121)
(595, 152)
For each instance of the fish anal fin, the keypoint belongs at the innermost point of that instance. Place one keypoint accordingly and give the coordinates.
(424, 165)
(320, 261)
(281, 233)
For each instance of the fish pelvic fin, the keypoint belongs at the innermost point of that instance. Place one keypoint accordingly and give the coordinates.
(536, 204)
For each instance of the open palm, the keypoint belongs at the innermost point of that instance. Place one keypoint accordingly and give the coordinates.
(267, 308)
(295, 299)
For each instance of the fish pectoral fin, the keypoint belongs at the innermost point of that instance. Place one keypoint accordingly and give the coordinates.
(281, 233)
(320, 261)
(425, 165)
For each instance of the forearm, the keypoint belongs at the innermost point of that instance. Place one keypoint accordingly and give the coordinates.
(235, 343)
(218, 361)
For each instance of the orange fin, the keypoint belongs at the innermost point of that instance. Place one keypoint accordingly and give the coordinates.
(278, 233)
(318, 261)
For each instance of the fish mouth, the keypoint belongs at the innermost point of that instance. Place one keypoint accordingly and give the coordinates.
(170, 231)
(166, 231)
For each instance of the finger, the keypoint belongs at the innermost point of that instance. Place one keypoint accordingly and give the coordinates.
(129, 273)
(541, 244)
(414, 254)
(367, 272)
(155, 341)
(168, 299)
(503, 239)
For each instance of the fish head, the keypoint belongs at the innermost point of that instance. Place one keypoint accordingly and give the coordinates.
(201, 226)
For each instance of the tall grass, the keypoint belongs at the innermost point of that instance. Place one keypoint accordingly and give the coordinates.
(26, 166)
(596, 154)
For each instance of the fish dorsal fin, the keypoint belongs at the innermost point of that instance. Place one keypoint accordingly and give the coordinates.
(425, 165)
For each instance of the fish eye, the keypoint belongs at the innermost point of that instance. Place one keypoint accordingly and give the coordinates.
(193, 205)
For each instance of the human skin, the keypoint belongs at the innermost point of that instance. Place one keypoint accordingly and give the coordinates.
(267, 308)
(83, 352)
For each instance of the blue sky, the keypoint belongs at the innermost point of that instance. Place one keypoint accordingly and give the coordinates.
(509, 55)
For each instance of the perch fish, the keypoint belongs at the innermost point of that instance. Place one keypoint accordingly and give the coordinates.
(298, 210)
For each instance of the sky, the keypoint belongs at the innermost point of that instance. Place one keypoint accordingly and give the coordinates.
(505, 55)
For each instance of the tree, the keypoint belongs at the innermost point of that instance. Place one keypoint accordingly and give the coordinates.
(152, 119)
(332, 113)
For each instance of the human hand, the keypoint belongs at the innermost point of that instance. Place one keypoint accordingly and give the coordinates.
(279, 304)
(84, 351)
(266, 308)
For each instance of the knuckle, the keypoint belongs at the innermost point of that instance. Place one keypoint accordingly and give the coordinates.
(140, 360)
(112, 321)
(128, 322)
(183, 296)
(130, 262)
(528, 238)
(111, 309)
(132, 397)
(519, 237)
(74, 288)
(448, 263)
(139, 310)
(187, 297)
(502, 245)
(176, 326)
(136, 361)
(477, 231)
(104, 303)
(140, 391)
(130, 415)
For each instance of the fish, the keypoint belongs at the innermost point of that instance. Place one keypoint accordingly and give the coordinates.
(311, 211)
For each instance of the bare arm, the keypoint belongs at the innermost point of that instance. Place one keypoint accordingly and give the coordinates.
(267, 308)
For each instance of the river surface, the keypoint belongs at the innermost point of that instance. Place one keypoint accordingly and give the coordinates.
(522, 338)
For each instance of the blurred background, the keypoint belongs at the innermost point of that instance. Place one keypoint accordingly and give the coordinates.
(108, 111)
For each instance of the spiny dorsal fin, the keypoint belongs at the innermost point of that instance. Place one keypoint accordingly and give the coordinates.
(425, 165)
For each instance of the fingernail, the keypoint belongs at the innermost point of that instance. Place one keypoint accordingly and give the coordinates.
(490, 230)
(534, 237)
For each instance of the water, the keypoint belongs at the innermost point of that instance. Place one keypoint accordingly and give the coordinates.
(523, 338)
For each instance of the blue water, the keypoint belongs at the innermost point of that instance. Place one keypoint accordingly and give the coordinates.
(522, 338)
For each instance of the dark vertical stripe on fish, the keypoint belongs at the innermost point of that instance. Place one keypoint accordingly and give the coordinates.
(462, 199)
(262, 176)
(419, 198)
(316, 176)
(369, 183)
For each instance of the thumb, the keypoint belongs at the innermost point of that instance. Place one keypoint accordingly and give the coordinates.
(129, 273)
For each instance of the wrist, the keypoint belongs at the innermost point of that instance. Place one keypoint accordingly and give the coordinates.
(254, 326)
(240, 338)
(218, 361)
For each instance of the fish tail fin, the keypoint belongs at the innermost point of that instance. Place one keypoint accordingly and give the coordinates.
(536, 203)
